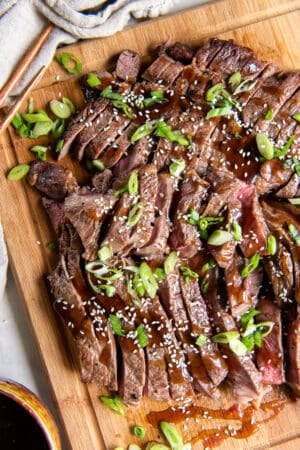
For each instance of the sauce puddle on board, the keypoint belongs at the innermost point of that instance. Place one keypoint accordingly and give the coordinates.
(245, 422)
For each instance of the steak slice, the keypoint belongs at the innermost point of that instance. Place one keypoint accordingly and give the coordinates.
(207, 51)
(242, 292)
(92, 335)
(87, 213)
(170, 295)
(181, 52)
(78, 122)
(118, 149)
(213, 361)
(293, 349)
(157, 245)
(55, 211)
(51, 179)
(243, 376)
(272, 175)
(102, 181)
(128, 66)
(184, 237)
(164, 70)
(138, 155)
(269, 357)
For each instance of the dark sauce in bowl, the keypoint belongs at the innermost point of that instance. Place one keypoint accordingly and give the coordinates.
(18, 429)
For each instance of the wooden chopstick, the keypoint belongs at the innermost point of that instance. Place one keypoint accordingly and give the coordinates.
(24, 64)
(6, 120)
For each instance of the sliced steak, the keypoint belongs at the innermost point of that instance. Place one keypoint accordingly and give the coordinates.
(51, 179)
(164, 70)
(242, 292)
(102, 181)
(181, 52)
(118, 232)
(170, 294)
(55, 211)
(78, 122)
(269, 357)
(87, 213)
(118, 149)
(213, 361)
(184, 237)
(207, 52)
(128, 66)
(272, 176)
(293, 349)
(157, 245)
(137, 155)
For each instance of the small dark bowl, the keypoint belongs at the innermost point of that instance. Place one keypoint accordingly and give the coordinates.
(25, 421)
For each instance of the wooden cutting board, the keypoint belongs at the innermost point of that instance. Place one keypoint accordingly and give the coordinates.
(271, 28)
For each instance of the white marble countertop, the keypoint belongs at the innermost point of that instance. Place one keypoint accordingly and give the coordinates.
(19, 357)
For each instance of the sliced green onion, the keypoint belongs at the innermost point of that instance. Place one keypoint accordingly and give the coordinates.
(201, 339)
(160, 273)
(271, 244)
(144, 130)
(114, 403)
(170, 262)
(294, 201)
(69, 103)
(18, 172)
(237, 347)
(218, 112)
(295, 235)
(251, 266)
(17, 121)
(264, 146)
(156, 446)
(214, 92)
(142, 336)
(269, 114)
(204, 285)
(177, 167)
(148, 279)
(219, 237)
(93, 80)
(188, 274)
(139, 431)
(207, 266)
(282, 152)
(60, 109)
(234, 80)
(116, 325)
(244, 86)
(104, 253)
(41, 151)
(30, 105)
(108, 93)
(236, 231)
(226, 337)
(155, 97)
(97, 164)
(40, 116)
(58, 128)
(120, 104)
(135, 214)
(138, 285)
(164, 130)
(41, 128)
(133, 184)
(248, 318)
(133, 447)
(172, 435)
(69, 62)
(296, 117)
(59, 145)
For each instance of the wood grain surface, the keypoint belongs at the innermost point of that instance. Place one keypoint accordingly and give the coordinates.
(271, 28)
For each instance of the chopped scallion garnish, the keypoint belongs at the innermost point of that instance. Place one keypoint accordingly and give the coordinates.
(104, 253)
(252, 265)
(269, 114)
(116, 325)
(177, 167)
(139, 431)
(188, 274)
(201, 339)
(172, 435)
(264, 146)
(142, 336)
(93, 80)
(18, 172)
(148, 279)
(219, 237)
(115, 403)
(41, 151)
(170, 262)
(60, 109)
(69, 62)
(144, 130)
(236, 231)
(271, 244)
(294, 233)
(283, 151)
(296, 116)
(135, 214)
(164, 130)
